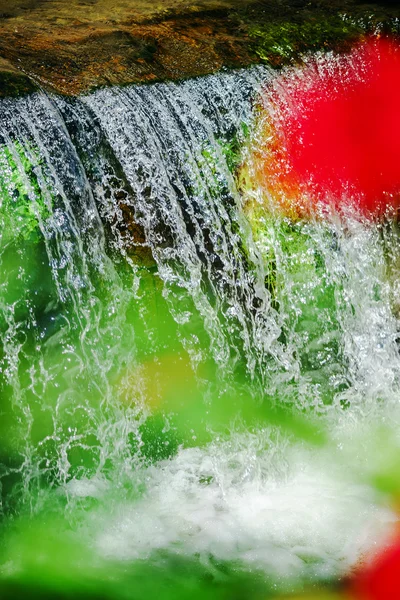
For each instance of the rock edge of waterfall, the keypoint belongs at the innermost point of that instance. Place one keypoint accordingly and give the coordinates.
(74, 47)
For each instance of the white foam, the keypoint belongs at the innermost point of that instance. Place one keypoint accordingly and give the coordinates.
(239, 501)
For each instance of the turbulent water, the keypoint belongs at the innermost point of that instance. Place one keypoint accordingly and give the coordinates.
(160, 398)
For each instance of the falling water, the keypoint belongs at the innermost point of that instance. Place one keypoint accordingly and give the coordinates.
(160, 398)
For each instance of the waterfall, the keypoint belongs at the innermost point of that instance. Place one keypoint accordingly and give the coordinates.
(144, 351)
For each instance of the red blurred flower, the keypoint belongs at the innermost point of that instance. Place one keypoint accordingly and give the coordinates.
(380, 580)
(336, 130)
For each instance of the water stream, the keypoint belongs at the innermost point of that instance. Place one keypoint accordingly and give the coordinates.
(167, 414)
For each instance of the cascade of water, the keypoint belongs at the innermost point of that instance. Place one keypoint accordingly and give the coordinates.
(166, 139)
(63, 162)
(52, 361)
(126, 259)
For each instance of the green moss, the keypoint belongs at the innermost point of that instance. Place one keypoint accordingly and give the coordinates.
(277, 42)
(23, 206)
(232, 147)
(284, 31)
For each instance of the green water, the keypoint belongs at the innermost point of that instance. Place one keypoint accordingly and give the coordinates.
(60, 425)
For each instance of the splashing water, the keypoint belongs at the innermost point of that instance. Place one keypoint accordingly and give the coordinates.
(190, 397)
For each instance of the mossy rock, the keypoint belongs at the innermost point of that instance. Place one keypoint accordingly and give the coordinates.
(15, 84)
(77, 47)
(23, 206)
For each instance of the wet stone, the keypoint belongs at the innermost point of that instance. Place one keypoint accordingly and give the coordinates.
(74, 47)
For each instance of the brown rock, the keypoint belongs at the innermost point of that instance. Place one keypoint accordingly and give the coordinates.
(72, 47)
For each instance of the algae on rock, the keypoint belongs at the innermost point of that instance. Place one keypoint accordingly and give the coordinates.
(23, 207)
